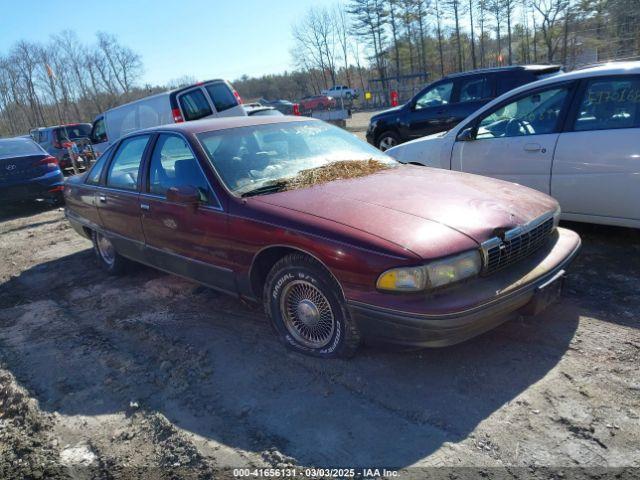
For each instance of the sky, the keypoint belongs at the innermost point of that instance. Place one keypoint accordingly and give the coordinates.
(199, 38)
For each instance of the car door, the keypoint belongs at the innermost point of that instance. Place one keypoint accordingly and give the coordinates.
(515, 140)
(184, 239)
(118, 200)
(224, 99)
(596, 168)
(430, 110)
(194, 104)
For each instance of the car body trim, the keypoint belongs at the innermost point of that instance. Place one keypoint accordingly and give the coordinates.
(364, 249)
(511, 234)
(532, 285)
(306, 252)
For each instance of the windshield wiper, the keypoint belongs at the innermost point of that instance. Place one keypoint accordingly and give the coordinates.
(270, 187)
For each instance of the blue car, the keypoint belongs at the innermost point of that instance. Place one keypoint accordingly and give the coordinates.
(28, 172)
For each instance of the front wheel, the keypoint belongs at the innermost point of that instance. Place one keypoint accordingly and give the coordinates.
(107, 257)
(386, 140)
(305, 306)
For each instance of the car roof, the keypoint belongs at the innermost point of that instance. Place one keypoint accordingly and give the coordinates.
(20, 138)
(223, 123)
(60, 126)
(511, 68)
(605, 69)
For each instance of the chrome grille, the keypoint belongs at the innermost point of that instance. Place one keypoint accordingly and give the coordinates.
(517, 244)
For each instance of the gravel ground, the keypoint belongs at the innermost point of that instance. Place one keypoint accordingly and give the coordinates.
(153, 376)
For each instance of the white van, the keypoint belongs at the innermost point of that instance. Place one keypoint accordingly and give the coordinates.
(213, 98)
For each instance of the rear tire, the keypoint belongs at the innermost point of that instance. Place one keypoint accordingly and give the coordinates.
(106, 256)
(305, 306)
(387, 139)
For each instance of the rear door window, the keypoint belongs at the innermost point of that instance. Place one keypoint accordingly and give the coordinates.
(509, 80)
(73, 132)
(609, 104)
(195, 105)
(222, 96)
(475, 88)
(123, 171)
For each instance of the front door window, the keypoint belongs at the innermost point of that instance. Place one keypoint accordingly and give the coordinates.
(436, 96)
(173, 165)
(534, 114)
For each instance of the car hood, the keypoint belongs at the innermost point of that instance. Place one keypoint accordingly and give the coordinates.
(431, 212)
(385, 113)
(426, 150)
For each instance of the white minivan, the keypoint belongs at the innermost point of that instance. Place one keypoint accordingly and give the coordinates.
(575, 136)
(213, 98)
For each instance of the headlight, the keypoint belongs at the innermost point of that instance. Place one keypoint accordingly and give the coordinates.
(411, 279)
(432, 275)
(454, 269)
(556, 216)
(372, 125)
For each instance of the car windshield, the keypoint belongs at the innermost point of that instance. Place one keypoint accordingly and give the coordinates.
(18, 147)
(249, 158)
(73, 132)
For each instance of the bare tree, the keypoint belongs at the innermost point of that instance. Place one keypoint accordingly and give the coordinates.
(439, 35)
(369, 21)
(473, 40)
(342, 33)
(456, 7)
(551, 12)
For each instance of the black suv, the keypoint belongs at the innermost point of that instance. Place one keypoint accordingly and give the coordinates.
(443, 104)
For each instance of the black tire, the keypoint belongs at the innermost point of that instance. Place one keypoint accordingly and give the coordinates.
(387, 140)
(320, 310)
(114, 264)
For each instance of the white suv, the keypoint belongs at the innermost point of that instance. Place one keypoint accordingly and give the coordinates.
(575, 136)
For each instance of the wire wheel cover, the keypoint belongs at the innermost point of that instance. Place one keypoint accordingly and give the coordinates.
(307, 314)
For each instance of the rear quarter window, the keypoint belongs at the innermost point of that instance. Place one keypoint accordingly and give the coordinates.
(511, 80)
(222, 96)
(94, 175)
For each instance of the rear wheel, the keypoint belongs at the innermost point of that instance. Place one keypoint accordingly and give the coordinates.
(108, 259)
(305, 306)
(388, 139)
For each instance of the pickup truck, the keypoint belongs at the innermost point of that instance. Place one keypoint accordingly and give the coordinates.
(341, 91)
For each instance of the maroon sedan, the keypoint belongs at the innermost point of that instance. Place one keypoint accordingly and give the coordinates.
(407, 255)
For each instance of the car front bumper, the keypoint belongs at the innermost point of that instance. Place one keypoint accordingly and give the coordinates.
(49, 185)
(529, 293)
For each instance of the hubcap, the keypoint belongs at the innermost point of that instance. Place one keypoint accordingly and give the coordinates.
(105, 249)
(387, 142)
(307, 314)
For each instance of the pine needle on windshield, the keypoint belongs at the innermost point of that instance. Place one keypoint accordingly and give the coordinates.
(340, 170)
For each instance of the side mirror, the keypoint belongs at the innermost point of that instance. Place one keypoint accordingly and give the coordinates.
(185, 194)
(466, 135)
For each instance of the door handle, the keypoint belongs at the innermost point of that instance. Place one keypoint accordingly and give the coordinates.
(145, 206)
(102, 199)
(533, 147)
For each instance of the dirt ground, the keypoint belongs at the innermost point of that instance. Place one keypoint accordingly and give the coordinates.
(153, 376)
